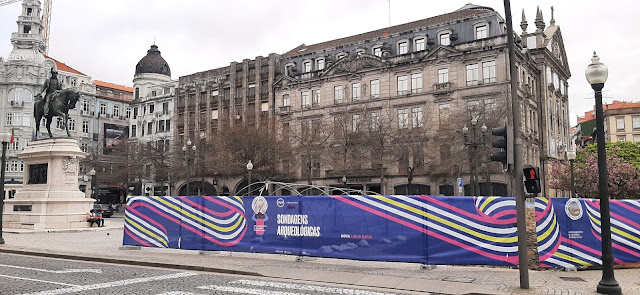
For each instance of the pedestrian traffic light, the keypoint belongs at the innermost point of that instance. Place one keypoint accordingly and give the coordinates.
(532, 180)
(505, 143)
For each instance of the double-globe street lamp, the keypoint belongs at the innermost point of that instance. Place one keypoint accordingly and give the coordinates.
(597, 74)
(5, 137)
(571, 156)
(186, 149)
(474, 142)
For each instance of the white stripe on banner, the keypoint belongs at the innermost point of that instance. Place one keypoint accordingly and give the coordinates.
(546, 221)
(550, 241)
(497, 205)
(190, 209)
(113, 284)
(558, 262)
(582, 255)
(147, 225)
(151, 240)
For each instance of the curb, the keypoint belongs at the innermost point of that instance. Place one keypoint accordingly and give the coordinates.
(131, 262)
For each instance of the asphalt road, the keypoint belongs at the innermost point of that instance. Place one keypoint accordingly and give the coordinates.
(48, 276)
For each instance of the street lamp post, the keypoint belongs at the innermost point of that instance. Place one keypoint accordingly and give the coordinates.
(249, 168)
(186, 149)
(474, 142)
(5, 137)
(597, 74)
(571, 156)
(92, 173)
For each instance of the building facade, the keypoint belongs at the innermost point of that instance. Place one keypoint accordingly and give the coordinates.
(621, 123)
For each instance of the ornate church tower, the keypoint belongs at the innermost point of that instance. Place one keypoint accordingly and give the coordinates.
(28, 42)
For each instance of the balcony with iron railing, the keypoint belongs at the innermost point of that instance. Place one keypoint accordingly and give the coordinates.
(308, 75)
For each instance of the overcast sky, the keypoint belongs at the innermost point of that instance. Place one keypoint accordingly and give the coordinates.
(105, 39)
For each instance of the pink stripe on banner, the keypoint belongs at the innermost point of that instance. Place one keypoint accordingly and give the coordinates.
(624, 205)
(144, 243)
(614, 245)
(205, 209)
(198, 232)
(581, 246)
(145, 217)
(226, 205)
(512, 259)
(503, 213)
(627, 221)
(543, 214)
(485, 219)
(553, 251)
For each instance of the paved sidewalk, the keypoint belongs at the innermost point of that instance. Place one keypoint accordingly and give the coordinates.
(105, 245)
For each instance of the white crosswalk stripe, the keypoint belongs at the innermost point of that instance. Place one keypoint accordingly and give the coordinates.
(247, 290)
(288, 287)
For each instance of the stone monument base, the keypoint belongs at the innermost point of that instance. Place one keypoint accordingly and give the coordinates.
(52, 201)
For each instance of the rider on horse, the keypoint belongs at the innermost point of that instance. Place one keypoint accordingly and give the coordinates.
(50, 86)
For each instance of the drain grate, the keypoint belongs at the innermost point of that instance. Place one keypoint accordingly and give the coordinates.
(459, 279)
(573, 279)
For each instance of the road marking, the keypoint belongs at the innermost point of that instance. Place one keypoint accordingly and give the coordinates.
(246, 290)
(312, 288)
(113, 284)
(54, 271)
(179, 293)
(36, 280)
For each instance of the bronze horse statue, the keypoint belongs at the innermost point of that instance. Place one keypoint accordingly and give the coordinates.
(61, 102)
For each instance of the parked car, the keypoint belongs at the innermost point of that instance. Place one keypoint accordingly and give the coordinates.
(108, 211)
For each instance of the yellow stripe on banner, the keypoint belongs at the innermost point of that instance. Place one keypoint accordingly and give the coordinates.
(616, 230)
(549, 230)
(198, 219)
(447, 222)
(486, 202)
(573, 259)
(145, 230)
(544, 200)
(239, 199)
(594, 219)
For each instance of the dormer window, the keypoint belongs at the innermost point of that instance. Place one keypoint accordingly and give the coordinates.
(481, 30)
(419, 44)
(377, 51)
(320, 64)
(403, 47)
(341, 55)
(444, 38)
(306, 66)
(360, 51)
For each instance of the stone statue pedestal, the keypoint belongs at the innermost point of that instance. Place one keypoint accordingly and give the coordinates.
(50, 198)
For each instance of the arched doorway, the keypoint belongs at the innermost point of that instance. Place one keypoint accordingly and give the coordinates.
(198, 188)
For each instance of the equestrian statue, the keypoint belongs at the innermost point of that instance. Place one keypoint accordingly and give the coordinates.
(56, 102)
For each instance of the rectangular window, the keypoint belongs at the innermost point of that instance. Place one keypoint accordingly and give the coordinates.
(9, 119)
(620, 123)
(150, 127)
(72, 124)
(85, 126)
(489, 72)
(306, 67)
(402, 85)
(84, 147)
(403, 47)
(103, 108)
(355, 91)
(443, 76)
(285, 100)
(636, 138)
(356, 122)
(165, 107)
(481, 32)
(133, 130)
(416, 83)
(116, 110)
(306, 100)
(416, 116)
(320, 64)
(472, 74)
(128, 113)
(59, 123)
(636, 123)
(375, 88)
(152, 108)
(403, 118)
(377, 51)
(622, 138)
(337, 94)
(443, 114)
(419, 44)
(315, 96)
(444, 39)
(375, 120)
(86, 106)
(167, 125)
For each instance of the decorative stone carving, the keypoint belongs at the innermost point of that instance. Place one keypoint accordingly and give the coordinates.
(70, 167)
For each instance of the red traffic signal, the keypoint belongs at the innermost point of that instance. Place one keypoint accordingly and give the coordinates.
(531, 173)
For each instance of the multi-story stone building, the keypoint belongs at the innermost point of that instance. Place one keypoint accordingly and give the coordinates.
(224, 97)
(621, 123)
(152, 121)
(425, 80)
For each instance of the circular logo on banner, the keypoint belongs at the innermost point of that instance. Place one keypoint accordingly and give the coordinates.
(573, 208)
(280, 202)
(259, 205)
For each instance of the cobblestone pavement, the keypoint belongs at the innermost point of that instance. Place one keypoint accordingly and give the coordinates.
(104, 244)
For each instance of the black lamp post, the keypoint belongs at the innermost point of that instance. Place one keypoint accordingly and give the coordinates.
(597, 74)
(474, 142)
(249, 168)
(187, 158)
(5, 137)
(571, 156)
(92, 173)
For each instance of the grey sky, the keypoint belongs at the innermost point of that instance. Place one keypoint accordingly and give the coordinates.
(105, 39)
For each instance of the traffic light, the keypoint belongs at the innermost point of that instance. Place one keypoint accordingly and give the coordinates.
(532, 180)
(505, 143)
